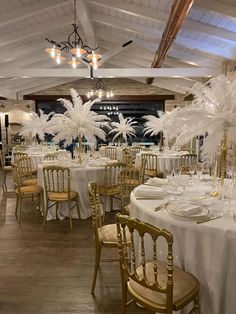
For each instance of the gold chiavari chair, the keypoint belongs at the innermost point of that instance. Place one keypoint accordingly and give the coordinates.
(24, 167)
(111, 152)
(23, 192)
(186, 161)
(57, 186)
(127, 157)
(150, 164)
(7, 169)
(156, 285)
(111, 187)
(130, 179)
(17, 156)
(104, 235)
(51, 156)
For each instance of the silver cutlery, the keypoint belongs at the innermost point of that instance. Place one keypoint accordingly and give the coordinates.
(208, 219)
(163, 205)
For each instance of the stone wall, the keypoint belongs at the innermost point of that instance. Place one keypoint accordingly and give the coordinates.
(18, 111)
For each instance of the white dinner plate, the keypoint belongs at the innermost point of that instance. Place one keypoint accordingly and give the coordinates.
(171, 208)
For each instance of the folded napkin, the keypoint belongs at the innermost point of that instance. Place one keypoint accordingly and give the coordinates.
(144, 191)
(187, 209)
(157, 181)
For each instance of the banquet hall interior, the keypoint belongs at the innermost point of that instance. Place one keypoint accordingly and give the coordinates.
(117, 156)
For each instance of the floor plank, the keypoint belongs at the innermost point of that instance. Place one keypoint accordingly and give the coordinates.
(50, 271)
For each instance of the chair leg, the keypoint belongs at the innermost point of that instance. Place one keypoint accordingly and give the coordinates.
(69, 214)
(196, 305)
(104, 207)
(124, 298)
(57, 208)
(46, 215)
(96, 266)
(17, 203)
(111, 200)
(4, 186)
(19, 216)
(78, 207)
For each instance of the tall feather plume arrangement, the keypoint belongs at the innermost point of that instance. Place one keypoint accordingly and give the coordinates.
(78, 121)
(155, 125)
(212, 112)
(36, 125)
(123, 128)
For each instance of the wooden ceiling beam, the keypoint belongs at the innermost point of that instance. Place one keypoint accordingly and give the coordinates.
(179, 11)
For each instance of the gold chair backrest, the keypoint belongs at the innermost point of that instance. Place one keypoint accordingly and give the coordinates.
(51, 156)
(111, 152)
(135, 150)
(188, 159)
(112, 174)
(130, 260)
(150, 162)
(17, 156)
(56, 179)
(20, 148)
(24, 166)
(127, 157)
(95, 206)
(17, 178)
(129, 179)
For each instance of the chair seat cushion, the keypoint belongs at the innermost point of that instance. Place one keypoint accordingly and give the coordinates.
(185, 286)
(153, 173)
(113, 190)
(7, 168)
(108, 234)
(30, 181)
(61, 196)
(30, 189)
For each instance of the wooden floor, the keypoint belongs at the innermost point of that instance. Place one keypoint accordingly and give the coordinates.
(51, 271)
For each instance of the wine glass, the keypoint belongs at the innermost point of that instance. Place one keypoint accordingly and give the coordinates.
(199, 169)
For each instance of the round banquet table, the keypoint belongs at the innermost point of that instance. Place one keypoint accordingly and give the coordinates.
(37, 158)
(165, 162)
(206, 250)
(80, 177)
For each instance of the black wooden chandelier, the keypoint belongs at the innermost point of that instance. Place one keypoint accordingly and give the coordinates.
(100, 90)
(74, 47)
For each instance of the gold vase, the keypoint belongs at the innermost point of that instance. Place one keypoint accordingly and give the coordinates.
(223, 158)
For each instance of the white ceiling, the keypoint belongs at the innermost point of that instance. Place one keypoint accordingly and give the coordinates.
(206, 39)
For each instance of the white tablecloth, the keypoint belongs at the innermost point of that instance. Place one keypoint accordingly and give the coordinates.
(164, 162)
(206, 250)
(38, 157)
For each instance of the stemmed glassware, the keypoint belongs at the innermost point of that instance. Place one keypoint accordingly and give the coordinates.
(199, 170)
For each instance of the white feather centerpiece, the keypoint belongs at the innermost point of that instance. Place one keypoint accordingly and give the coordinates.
(124, 128)
(78, 121)
(36, 125)
(212, 112)
(155, 125)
